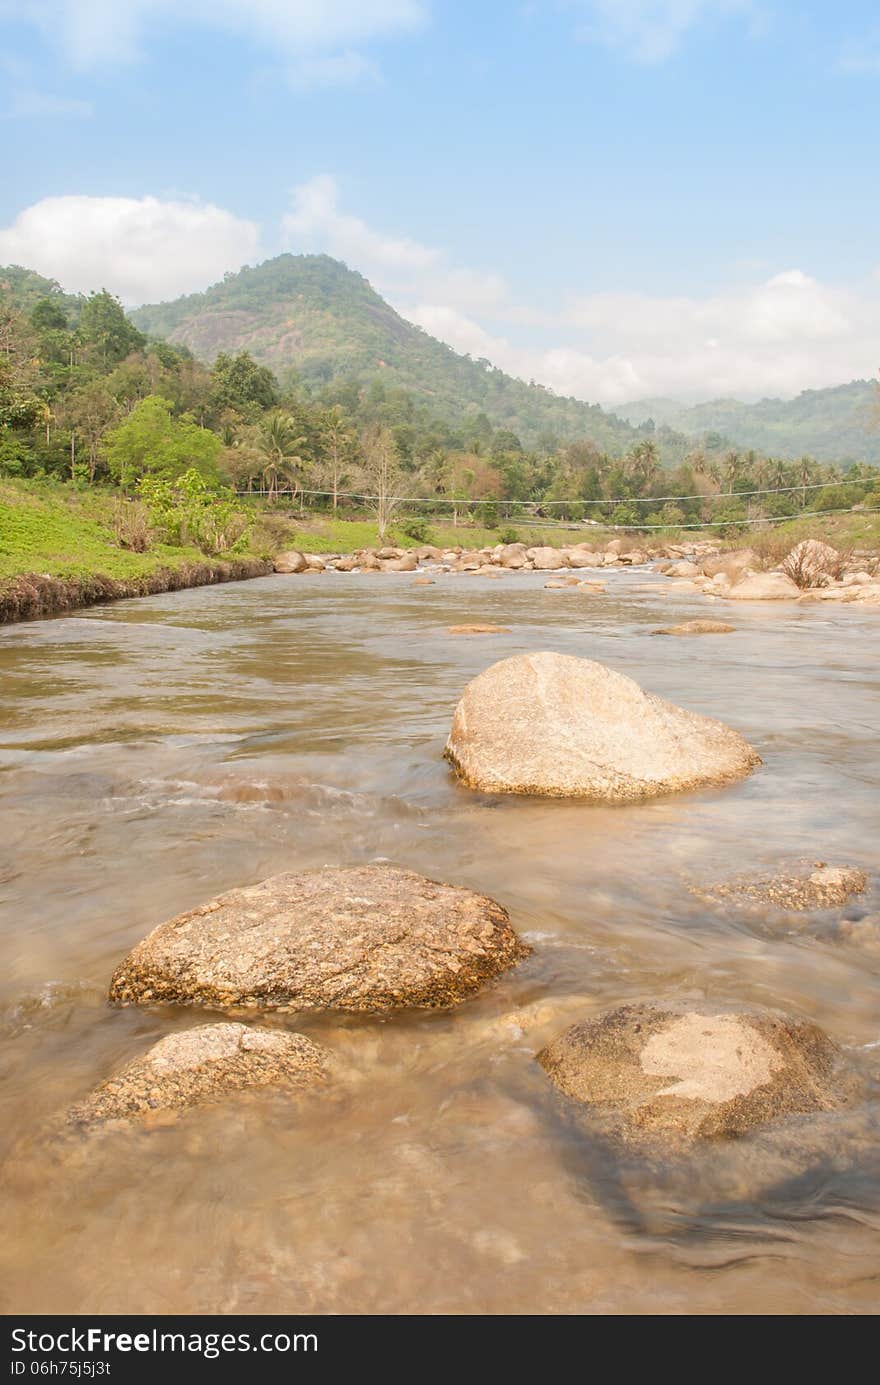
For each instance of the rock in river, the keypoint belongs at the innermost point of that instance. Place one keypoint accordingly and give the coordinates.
(204, 1064)
(805, 885)
(694, 1072)
(571, 728)
(363, 938)
(696, 627)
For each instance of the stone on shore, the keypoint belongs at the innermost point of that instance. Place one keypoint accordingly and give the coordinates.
(365, 938)
(696, 627)
(291, 561)
(564, 727)
(807, 885)
(204, 1064)
(680, 1074)
(764, 586)
(812, 563)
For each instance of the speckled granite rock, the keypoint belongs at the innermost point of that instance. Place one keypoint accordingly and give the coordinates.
(364, 938)
(807, 885)
(696, 627)
(686, 1073)
(204, 1064)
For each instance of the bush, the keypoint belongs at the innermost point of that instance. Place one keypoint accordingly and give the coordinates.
(187, 511)
(131, 525)
(624, 516)
(508, 535)
(415, 528)
(487, 514)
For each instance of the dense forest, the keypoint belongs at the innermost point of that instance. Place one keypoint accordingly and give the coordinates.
(839, 424)
(88, 396)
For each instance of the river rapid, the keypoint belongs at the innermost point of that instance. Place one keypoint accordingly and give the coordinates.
(159, 751)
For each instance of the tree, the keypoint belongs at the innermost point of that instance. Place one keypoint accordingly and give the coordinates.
(89, 412)
(279, 443)
(238, 382)
(21, 404)
(337, 439)
(104, 327)
(149, 442)
(382, 475)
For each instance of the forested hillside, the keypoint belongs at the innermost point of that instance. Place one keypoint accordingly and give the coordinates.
(310, 317)
(839, 424)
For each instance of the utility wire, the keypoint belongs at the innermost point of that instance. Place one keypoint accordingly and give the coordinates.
(613, 500)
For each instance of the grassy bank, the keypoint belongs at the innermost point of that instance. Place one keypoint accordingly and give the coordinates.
(58, 551)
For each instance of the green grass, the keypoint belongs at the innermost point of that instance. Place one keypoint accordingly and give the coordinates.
(53, 529)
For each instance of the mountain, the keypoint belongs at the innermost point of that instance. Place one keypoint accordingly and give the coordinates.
(839, 424)
(312, 317)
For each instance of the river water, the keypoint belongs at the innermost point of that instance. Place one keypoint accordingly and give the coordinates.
(159, 751)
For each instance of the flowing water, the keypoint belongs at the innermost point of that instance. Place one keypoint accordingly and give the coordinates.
(157, 752)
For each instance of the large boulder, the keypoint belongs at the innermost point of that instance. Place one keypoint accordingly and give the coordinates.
(291, 561)
(682, 1074)
(571, 728)
(204, 1064)
(764, 586)
(812, 564)
(732, 565)
(363, 938)
(513, 555)
(547, 559)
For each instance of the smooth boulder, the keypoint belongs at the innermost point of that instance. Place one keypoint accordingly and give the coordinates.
(292, 561)
(564, 727)
(204, 1064)
(365, 938)
(764, 586)
(694, 1072)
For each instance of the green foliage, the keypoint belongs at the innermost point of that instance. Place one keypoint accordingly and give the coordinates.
(186, 510)
(415, 528)
(150, 442)
(240, 384)
(486, 514)
(508, 535)
(104, 326)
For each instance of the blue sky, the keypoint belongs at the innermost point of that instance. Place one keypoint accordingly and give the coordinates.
(615, 197)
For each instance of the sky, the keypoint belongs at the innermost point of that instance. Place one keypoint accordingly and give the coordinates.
(617, 198)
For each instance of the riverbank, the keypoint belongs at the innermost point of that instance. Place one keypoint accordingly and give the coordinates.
(60, 546)
(58, 551)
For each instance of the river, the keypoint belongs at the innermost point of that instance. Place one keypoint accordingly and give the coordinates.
(161, 750)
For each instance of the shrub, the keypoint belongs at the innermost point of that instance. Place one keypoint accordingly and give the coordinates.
(131, 525)
(487, 514)
(415, 528)
(508, 535)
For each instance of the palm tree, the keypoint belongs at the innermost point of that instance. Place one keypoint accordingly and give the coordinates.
(279, 444)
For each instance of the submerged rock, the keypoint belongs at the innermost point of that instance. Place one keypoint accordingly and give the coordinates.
(688, 1073)
(363, 938)
(809, 885)
(696, 627)
(479, 630)
(204, 1064)
(570, 728)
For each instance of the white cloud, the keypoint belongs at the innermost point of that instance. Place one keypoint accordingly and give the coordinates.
(777, 334)
(142, 249)
(404, 268)
(316, 36)
(780, 336)
(649, 31)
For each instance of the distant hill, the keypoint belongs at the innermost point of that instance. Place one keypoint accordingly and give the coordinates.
(25, 288)
(311, 316)
(839, 424)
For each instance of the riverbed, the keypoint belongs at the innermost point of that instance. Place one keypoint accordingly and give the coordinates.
(159, 751)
